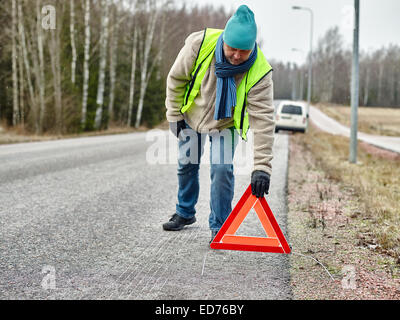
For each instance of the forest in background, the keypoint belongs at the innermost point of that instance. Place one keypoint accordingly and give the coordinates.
(379, 74)
(105, 62)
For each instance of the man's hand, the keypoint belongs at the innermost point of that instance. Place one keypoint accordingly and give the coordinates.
(259, 183)
(177, 127)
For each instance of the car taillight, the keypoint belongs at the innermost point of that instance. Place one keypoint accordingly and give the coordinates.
(304, 120)
(277, 117)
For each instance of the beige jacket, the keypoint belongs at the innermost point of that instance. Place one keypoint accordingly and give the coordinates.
(200, 116)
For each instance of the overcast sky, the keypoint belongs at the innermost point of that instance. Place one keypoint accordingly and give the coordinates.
(282, 28)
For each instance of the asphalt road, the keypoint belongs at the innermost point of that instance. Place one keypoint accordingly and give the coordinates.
(330, 125)
(81, 219)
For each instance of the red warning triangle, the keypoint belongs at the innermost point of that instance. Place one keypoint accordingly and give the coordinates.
(226, 238)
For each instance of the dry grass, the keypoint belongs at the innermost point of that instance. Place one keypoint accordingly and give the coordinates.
(374, 180)
(327, 222)
(379, 121)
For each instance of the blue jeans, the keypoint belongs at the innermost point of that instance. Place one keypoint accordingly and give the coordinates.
(222, 149)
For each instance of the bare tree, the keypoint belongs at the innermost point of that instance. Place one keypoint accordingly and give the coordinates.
(56, 68)
(86, 63)
(162, 37)
(391, 73)
(380, 73)
(133, 73)
(365, 71)
(113, 61)
(73, 45)
(21, 84)
(103, 62)
(326, 63)
(15, 118)
(23, 42)
(41, 83)
(145, 45)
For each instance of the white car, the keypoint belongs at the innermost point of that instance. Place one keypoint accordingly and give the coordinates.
(292, 116)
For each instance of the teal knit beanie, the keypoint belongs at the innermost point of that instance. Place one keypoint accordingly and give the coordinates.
(241, 29)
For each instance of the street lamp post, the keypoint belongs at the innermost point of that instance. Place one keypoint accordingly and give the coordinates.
(355, 85)
(311, 52)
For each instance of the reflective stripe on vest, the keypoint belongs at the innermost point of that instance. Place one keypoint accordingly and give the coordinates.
(259, 70)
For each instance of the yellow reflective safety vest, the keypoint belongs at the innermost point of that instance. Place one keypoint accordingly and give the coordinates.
(259, 70)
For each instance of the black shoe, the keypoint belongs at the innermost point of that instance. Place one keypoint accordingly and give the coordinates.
(177, 223)
(213, 234)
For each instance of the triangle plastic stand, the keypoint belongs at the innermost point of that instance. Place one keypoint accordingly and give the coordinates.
(274, 242)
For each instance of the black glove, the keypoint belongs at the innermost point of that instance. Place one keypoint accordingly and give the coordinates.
(259, 183)
(176, 127)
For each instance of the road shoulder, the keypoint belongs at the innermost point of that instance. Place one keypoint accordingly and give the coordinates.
(323, 224)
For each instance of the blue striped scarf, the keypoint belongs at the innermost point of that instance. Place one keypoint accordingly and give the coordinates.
(226, 86)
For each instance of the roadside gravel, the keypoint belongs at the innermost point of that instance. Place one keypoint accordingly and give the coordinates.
(324, 223)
